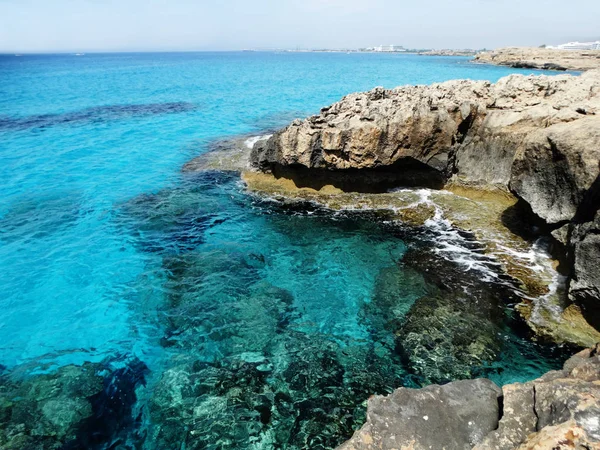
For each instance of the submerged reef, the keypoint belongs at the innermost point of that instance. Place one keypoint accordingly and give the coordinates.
(92, 406)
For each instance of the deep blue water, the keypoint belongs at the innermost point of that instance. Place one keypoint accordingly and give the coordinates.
(107, 249)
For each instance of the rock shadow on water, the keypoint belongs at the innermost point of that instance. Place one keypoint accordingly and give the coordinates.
(94, 115)
(92, 406)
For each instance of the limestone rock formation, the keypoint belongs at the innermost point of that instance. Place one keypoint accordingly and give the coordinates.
(469, 130)
(560, 410)
(537, 136)
(542, 58)
(454, 416)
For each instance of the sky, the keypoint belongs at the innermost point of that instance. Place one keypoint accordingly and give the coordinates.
(187, 25)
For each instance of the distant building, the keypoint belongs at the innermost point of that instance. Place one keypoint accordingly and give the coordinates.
(388, 48)
(578, 46)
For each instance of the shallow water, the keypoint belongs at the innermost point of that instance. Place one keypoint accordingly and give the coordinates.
(262, 325)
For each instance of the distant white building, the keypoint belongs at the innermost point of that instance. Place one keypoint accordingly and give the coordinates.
(389, 48)
(579, 46)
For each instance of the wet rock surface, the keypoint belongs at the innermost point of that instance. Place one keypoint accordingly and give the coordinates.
(559, 410)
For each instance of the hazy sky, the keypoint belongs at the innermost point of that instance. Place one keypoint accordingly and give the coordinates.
(131, 25)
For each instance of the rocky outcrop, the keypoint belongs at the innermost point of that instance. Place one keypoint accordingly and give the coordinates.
(432, 417)
(537, 136)
(542, 58)
(449, 52)
(560, 410)
(468, 130)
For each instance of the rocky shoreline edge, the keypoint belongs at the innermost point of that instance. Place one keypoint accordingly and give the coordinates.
(541, 58)
(534, 138)
(560, 410)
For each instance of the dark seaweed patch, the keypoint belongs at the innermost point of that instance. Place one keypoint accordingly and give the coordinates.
(98, 114)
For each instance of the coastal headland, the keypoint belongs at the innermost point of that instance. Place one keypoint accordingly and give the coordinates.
(542, 58)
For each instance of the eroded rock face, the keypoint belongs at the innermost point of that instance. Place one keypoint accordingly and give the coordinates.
(585, 251)
(557, 411)
(469, 130)
(542, 58)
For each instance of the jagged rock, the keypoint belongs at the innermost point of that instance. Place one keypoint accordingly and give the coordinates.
(556, 166)
(585, 285)
(469, 129)
(454, 416)
(560, 410)
(542, 58)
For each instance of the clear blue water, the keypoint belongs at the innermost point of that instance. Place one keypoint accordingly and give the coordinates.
(107, 249)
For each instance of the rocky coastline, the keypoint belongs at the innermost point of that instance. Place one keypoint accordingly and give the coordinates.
(449, 52)
(542, 58)
(535, 139)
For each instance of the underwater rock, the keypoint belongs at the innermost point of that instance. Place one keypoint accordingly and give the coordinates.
(445, 338)
(229, 154)
(454, 330)
(97, 114)
(301, 392)
(175, 219)
(216, 302)
(75, 407)
(39, 215)
(44, 411)
(559, 410)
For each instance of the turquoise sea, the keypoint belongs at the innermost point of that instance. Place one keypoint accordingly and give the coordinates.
(248, 324)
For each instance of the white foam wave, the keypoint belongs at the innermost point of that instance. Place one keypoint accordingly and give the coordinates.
(251, 142)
